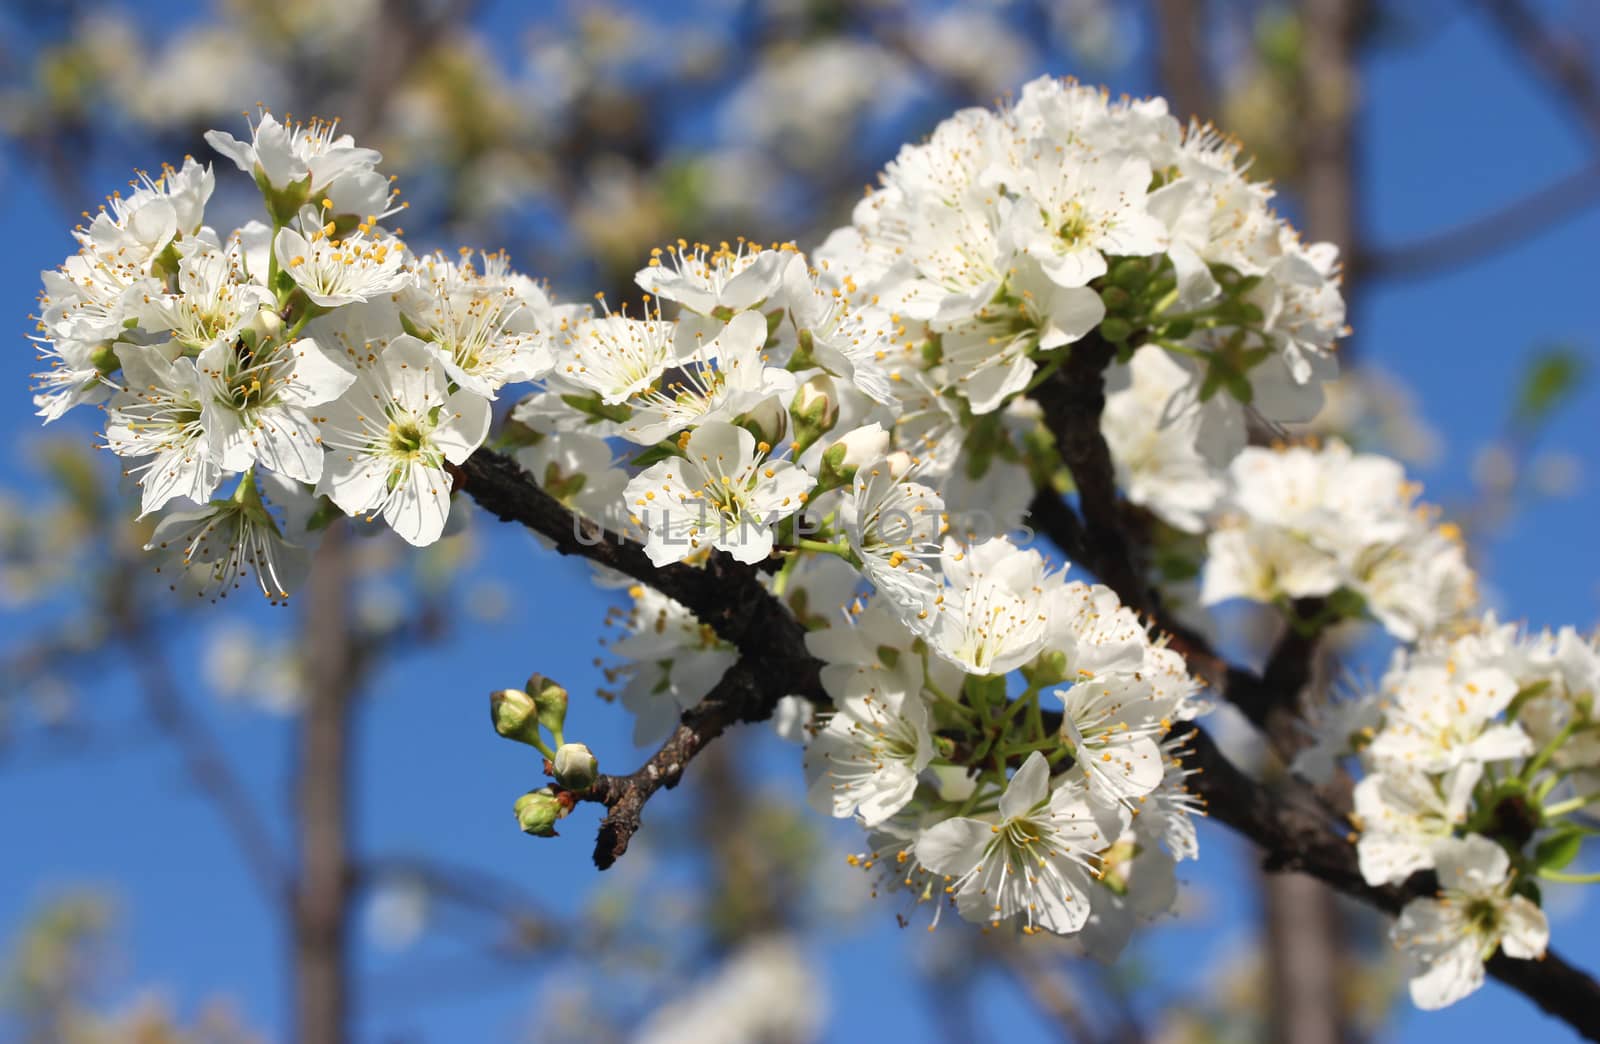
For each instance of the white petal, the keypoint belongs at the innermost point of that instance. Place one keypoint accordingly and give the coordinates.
(1029, 787)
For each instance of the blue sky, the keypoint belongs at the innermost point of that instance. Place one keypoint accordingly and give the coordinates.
(1451, 127)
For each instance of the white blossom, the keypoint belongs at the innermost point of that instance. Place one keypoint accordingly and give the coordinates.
(1447, 939)
(725, 492)
(390, 437)
(1034, 859)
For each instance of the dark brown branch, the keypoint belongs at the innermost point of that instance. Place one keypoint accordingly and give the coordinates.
(723, 594)
(1554, 56)
(1072, 401)
(1296, 830)
(748, 692)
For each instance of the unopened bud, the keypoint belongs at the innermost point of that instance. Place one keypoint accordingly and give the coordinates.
(538, 811)
(845, 457)
(1049, 669)
(551, 700)
(575, 767)
(266, 323)
(899, 462)
(767, 420)
(515, 716)
(862, 446)
(815, 409)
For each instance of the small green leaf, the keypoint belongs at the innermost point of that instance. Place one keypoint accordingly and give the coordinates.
(1558, 850)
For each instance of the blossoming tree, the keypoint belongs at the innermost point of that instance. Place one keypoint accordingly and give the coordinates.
(948, 496)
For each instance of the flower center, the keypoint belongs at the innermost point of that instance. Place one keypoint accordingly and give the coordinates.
(405, 437)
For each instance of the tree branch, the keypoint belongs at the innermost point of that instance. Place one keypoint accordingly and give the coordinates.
(1294, 833)
(1072, 401)
(1565, 69)
(748, 692)
(1458, 247)
(1295, 830)
(727, 596)
(1552, 55)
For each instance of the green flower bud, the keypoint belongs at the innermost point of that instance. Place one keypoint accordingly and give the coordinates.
(1049, 669)
(551, 700)
(105, 359)
(575, 767)
(538, 811)
(1114, 329)
(1130, 273)
(515, 716)
(1115, 298)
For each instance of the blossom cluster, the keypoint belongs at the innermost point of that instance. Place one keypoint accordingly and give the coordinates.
(246, 377)
(857, 421)
(1478, 756)
(1335, 526)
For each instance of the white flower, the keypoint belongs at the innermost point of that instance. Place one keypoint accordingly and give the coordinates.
(720, 380)
(894, 526)
(1404, 815)
(1263, 563)
(1152, 427)
(865, 761)
(213, 549)
(675, 658)
(1168, 813)
(617, 357)
(578, 470)
(1336, 727)
(1436, 718)
(216, 298)
(723, 492)
(1113, 724)
(1093, 632)
(989, 355)
(1308, 522)
(73, 379)
(159, 415)
(389, 438)
(853, 341)
(491, 328)
(991, 617)
(1139, 883)
(133, 230)
(1079, 205)
(289, 154)
(1419, 585)
(716, 282)
(1034, 859)
(359, 266)
(1330, 497)
(1446, 940)
(258, 403)
(767, 990)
